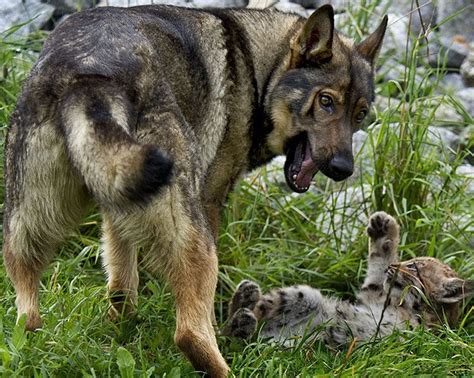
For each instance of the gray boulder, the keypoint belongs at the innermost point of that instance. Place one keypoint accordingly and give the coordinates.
(447, 114)
(63, 7)
(466, 172)
(467, 69)
(220, 3)
(451, 51)
(132, 3)
(289, 7)
(466, 97)
(261, 4)
(15, 12)
(462, 24)
(451, 83)
(309, 4)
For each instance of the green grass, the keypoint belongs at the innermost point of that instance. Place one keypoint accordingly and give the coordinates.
(276, 239)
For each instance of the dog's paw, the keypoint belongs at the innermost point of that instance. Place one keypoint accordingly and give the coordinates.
(121, 306)
(242, 324)
(246, 295)
(382, 225)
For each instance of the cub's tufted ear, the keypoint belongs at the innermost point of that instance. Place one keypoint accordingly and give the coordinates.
(454, 290)
(369, 48)
(313, 44)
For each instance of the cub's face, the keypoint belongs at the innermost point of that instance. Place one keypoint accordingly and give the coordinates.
(321, 100)
(437, 281)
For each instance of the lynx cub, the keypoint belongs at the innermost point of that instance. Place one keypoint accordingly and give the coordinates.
(391, 298)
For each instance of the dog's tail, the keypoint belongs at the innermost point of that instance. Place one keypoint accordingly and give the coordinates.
(116, 168)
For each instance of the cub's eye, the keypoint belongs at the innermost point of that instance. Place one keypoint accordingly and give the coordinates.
(360, 116)
(326, 101)
(411, 266)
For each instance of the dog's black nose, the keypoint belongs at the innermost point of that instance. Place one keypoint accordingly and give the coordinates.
(342, 166)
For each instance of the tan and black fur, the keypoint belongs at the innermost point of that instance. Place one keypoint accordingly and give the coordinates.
(394, 296)
(154, 113)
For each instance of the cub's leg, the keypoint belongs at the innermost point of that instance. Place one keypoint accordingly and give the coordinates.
(44, 200)
(384, 234)
(289, 311)
(246, 295)
(242, 320)
(286, 311)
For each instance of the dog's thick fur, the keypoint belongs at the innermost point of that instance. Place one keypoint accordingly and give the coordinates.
(154, 113)
(395, 295)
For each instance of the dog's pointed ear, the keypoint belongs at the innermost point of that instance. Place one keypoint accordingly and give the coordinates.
(369, 48)
(313, 44)
(454, 290)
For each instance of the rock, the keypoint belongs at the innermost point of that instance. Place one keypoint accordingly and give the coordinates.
(358, 141)
(426, 16)
(467, 69)
(132, 3)
(275, 173)
(462, 24)
(308, 4)
(447, 115)
(396, 35)
(261, 4)
(220, 3)
(451, 83)
(363, 155)
(338, 5)
(63, 7)
(14, 12)
(449, 51)
(288, 7)
(383, 103)
(447, 138)
(466, 98)
(394, 71)
(466, 171)
(352, 204)
(467, 142)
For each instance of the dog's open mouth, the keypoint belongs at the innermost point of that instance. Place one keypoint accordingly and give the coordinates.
(300, 167)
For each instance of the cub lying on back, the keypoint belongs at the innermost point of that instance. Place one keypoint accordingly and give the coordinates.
(391, 298)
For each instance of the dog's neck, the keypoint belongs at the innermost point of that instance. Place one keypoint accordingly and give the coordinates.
(268, 43)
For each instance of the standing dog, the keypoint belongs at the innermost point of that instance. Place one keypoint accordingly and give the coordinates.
(154, 113)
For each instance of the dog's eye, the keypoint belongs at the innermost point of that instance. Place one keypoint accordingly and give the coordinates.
(326, 101)
(361, 115)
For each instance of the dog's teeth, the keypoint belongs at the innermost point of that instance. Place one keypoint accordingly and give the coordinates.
(294, 177)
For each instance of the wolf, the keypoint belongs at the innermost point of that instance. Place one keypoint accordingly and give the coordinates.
(394, 296)
(153, 113)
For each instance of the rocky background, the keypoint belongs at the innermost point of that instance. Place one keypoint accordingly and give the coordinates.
(446, 28)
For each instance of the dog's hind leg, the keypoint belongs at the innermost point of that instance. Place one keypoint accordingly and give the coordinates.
(44, 200)
(120, 263)
(193, 280)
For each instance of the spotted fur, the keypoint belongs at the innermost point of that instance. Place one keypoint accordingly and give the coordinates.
(390, 298)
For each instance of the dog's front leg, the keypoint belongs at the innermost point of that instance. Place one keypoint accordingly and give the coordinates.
(193, 279)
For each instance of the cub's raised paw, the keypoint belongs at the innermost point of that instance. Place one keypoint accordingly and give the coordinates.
(382, 225)
(246, 295)
(242, 324)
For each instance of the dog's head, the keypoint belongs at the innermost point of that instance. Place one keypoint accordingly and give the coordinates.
(322, 95)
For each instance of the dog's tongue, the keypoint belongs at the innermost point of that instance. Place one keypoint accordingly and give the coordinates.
(307, 171)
